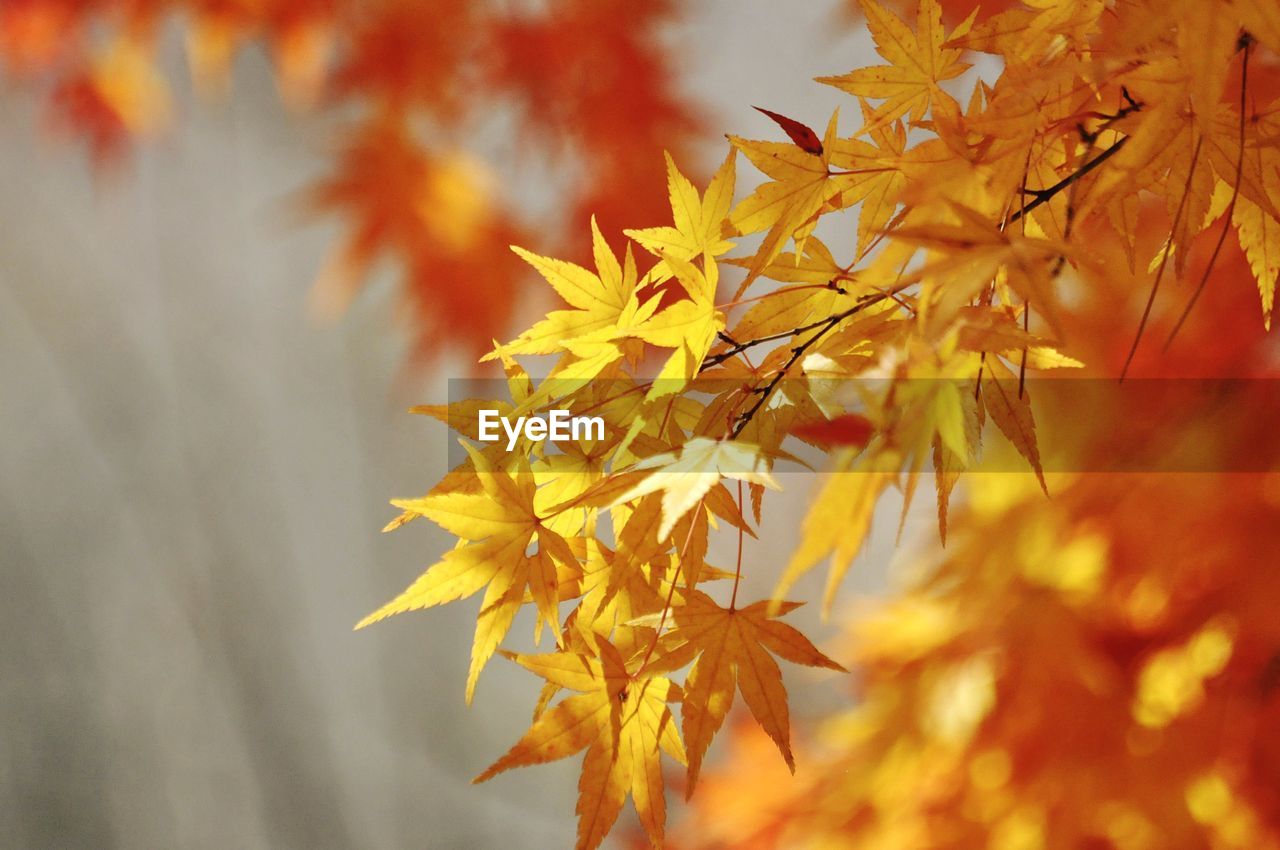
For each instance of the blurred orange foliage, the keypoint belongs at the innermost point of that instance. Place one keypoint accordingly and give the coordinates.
(1099, 669)
(1092, 662)
(589, 83)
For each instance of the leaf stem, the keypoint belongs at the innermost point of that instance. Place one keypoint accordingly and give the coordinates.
(737, 576)
(671, 591)
(824, 327)
(1043, 196)
(1231, 207)
(1164, 260)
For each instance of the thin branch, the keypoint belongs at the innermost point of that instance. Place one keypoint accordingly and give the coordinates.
(1043, 196)
(739, 347)
(823, 328)
(1022, 363)
(671, 591)
(1246, 41)
(1164, 260)
(737, 576)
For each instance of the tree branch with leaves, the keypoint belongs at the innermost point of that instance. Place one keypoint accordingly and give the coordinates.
(1145, 126)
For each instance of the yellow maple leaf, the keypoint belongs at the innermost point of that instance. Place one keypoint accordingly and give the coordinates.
(686, 475)
(622, 722)
(1029, 36)
(919, 62)
(495, 528)
(689, 326)
(1259, 236)
(878, 194)
(734, 646)
(605, 304)
(974, 252)
(803, 183)
(836, 525)
(698, 222)
(1010, 408)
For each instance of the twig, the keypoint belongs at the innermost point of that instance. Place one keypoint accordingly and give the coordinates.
(824, 327)
(1043, 196)
(671, 591)
(1164, 260)
(1246, 40)
(737, 576)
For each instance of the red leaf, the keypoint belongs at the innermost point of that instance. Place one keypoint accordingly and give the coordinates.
(803, 136)
(847, 430)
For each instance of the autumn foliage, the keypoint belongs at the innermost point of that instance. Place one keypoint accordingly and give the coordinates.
(414, 81)
(1087, 658)
(1091, 659)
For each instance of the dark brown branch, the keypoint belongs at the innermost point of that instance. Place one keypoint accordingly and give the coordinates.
(1164, 259)
(1245, 41)
(737, 348)
(1131, 106)
(1043, 196)
(824, 327)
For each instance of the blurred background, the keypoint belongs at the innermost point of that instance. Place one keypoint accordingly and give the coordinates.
(194, 470)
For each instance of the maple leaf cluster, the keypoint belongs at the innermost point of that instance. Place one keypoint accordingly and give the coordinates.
(588, 82)
(1121, 147)
(1098, 669)
(1092, 669)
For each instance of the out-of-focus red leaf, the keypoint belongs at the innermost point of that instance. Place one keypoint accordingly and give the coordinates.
(846, 430)
(437, 216)
(33, 33)
(591, 84)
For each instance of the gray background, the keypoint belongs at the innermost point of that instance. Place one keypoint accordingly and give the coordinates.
(193, 475)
